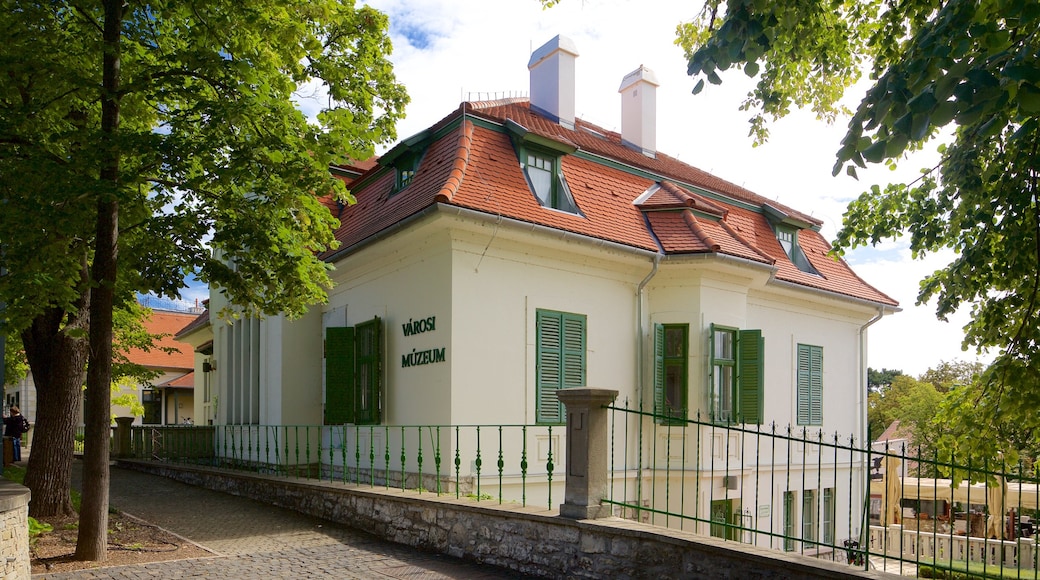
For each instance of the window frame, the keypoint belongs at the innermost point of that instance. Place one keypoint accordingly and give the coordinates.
(809, 384)
(829, 515)
(152, 403)
(405, 168)
(662, 363)
(746, 386)
(789, 515)
(354, 374)
(559, 366)
(794, 253)
(809, 523)
(559, 195)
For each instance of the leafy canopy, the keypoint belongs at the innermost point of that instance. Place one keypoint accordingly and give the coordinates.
(220, 172)
(971, 66)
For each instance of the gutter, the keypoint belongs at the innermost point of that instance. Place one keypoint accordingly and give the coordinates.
(479, 216)
(879, 306)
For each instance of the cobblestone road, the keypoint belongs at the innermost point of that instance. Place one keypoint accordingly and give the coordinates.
(255, 540)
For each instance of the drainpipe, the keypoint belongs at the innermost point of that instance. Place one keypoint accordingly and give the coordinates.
(862, 399)
(640, 375)
(861, 417)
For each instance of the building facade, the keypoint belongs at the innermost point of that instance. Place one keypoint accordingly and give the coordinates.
(512, 250)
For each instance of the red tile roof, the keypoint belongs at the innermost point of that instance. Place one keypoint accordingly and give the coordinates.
(657, 204)
(185, 381)
(166, 323)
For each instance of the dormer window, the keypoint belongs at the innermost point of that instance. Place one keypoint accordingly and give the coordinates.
(404, 178)
(404, 169)
(788, 238)
(405, 159)
(546, 180)
(540, 160)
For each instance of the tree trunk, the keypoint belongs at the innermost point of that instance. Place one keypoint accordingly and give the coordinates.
(57, 358)
(92, 542)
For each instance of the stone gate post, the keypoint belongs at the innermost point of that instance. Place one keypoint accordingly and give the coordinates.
(588, 452)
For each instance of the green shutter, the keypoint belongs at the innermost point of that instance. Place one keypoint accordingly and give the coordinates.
(816, 385)
(339, 375)
(659, 372)
(369, 352)
(711, 372)
(549, 372)
(750, 375)
(560, 360)
(573, 350)
(810, 385)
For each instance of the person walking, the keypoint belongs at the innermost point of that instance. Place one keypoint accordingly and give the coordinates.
(15, 425)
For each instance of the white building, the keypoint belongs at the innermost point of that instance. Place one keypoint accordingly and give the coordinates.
(512, 250)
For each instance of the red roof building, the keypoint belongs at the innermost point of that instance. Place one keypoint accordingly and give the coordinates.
(512, 250)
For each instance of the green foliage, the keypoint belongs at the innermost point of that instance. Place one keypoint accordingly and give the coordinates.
(979, 420)
(36, 528)
(213, 152)
(971, 65)
(947, 375)
(878, 380)
(15, 366)
(911, 402)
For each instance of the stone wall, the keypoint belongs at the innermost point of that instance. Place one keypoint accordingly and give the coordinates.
(14, 531)
(530, 540)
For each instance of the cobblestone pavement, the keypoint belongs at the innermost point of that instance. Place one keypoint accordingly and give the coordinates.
(255, 540)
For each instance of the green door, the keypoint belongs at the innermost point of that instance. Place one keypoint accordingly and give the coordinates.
(724, 515)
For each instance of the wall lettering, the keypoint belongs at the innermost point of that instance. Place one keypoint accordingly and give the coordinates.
(419, 326)
(422, 357)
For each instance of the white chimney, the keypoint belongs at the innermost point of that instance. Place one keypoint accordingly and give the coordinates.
(552, 80)
(639, 111)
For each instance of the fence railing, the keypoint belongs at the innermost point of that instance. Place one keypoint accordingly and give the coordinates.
(794, 489)
(503, 463)
(829, 496)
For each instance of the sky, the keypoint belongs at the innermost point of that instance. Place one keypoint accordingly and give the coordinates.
(447, 51)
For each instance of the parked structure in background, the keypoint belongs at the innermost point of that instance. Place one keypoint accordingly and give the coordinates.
(512, 250)
(168, 399)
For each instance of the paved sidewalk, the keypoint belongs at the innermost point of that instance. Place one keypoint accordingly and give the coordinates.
(255, 540)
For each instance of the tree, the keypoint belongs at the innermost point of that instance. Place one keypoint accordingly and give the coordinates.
(973, 64)
(879, 380)
(947, 375)
(145, 140)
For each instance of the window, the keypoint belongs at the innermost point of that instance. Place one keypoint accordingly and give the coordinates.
(542, 170)
(241, 372)
(724, 523)
(788, 238)
(560, 361)
(828, 515)
(354, 374)
(788, 521)
(405, 168)
(671, 360)
(809, 516)
(810, 384)
(151, 399)
(737, 375)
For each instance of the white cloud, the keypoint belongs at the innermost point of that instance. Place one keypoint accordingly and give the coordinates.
(446, 51)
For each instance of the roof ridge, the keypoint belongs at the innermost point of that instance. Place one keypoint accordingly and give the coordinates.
(747, 243)
(698, 231)
(458, 171)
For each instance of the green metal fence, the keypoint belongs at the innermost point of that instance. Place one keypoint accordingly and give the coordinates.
(828, 496)
(503, 463)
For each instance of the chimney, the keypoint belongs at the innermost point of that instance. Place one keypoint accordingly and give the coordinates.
(552, 80)
(639, 111)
